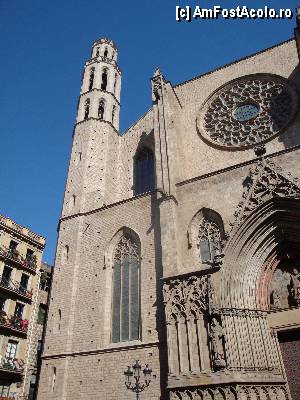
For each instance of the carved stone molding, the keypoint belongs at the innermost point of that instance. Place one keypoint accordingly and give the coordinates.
(234, 392)
(264, 182)
(185, 298)
(126, 247)
(248, 111)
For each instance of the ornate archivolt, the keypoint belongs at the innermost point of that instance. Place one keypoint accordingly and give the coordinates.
(264, 182)
(248, 111)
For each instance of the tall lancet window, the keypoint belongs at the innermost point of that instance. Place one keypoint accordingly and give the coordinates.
(91, 80)
(209, 239)
(101, 109)
(126, 290)
(144, 172)
(105, 52)
(104, 79)
(86, 108)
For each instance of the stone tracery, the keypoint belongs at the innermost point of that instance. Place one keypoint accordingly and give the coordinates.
(228, 118)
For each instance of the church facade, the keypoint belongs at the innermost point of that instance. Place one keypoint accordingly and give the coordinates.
(179, 240)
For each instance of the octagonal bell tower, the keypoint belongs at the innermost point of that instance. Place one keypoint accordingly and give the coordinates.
(101, 85)
(91, 180)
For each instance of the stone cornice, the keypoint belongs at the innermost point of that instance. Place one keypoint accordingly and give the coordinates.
(102, 91)
(115, 349)
(103, 60)
(107, 206)
(24, 233)
(95, 119)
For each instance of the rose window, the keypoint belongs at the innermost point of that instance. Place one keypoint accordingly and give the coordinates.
(248, 111)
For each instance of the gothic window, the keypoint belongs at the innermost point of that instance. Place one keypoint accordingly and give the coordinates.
(101, 109)
(209, 239)
(86, 108)
(115, 82)
(144, 172)
(113, 114)
(126, 288)
(104, 79)
(105, 52)
(91, 81)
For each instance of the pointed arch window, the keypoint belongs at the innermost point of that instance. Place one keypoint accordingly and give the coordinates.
(97, 52)
(209, 240)
(91, 80)
(144, 172)
(126, 290)
(101, 109)
(86, 108)
(104, 79)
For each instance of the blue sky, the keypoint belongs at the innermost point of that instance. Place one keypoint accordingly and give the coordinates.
(43, 46)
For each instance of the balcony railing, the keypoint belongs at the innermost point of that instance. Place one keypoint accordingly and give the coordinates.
(12, 365)
(14, 256)
(16, 288)
(13, 323)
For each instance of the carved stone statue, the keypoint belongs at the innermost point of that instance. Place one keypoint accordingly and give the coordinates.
(295, 286)
(217, 346)
(276, 302)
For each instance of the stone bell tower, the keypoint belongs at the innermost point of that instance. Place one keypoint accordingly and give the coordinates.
(100, 90)
(95, 139)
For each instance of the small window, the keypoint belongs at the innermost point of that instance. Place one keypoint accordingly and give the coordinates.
(104, 79)
(11, 349)
(101, 109)
(144, 172)
(105, 52)
(24, 283)
(29, 255)
(53, 379)
(113, 114)
(6, 275)
(13, 252)
(18, 314)
(97, 52)
(86, 108)
(209, 240)
(91, 80)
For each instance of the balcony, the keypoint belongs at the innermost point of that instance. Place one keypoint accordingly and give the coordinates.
(11, 367)
(14, 257)
(14, 289)
(14, 325)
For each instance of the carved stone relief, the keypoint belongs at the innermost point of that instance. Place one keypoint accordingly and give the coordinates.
(285, 286)
(264, 182)
(185, 298)
(126, 247)
(248, 111)
(217, 339)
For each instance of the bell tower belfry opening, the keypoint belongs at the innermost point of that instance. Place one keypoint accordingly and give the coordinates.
(101, 85)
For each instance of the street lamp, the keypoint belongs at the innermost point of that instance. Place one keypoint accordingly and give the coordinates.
(133, 377)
